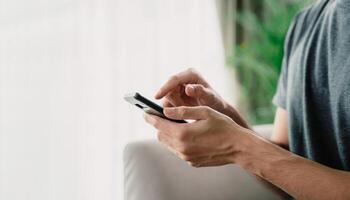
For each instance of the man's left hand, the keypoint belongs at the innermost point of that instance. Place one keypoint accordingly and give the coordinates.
(212, 139)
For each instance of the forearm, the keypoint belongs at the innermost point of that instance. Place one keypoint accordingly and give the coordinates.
(299, 177)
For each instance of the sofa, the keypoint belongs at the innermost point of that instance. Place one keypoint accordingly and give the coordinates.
(151, 172)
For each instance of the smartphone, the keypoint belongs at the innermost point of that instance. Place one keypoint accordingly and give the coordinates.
(148, 106)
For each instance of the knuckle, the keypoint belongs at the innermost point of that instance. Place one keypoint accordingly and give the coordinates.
(211, 94)
(192, 70)
(184, 150)
(193, 164)
(174, 78)
(187, 152)
(181, 111)
(199, 89)
(185, 157)
(206, 110)
(181, 149)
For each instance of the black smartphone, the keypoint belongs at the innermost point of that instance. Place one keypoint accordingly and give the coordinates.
(148, 106)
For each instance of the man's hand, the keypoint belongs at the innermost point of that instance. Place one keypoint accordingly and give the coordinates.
(189, 88)
(212, 139)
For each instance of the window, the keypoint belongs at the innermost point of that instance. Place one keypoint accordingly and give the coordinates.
(64, 68)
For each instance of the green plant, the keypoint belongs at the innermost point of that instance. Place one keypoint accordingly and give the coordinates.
(257, 59)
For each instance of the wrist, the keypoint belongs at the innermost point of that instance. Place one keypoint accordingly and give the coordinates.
(259, 156)
(240, 142)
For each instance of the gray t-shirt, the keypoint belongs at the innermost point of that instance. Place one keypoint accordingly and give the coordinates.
(314, 86)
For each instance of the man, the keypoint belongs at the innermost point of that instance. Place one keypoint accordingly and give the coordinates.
(312, 119)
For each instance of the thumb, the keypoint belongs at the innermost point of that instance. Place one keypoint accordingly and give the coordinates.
(198, 91)
(184, 112)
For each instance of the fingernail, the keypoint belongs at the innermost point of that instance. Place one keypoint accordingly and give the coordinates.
(190, 90)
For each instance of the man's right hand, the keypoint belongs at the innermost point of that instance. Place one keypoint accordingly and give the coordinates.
(188, 88)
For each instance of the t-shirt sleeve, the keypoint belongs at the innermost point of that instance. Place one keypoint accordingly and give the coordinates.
(280, 97)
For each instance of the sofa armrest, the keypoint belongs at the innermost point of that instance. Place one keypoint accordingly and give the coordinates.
(151, 172)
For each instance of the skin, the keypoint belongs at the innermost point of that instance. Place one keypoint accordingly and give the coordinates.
(219, 135)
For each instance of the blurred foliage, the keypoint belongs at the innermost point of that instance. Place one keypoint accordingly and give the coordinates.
(257, 59)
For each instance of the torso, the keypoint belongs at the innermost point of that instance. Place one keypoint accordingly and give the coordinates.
(318, 88)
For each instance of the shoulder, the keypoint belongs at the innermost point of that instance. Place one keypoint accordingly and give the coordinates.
(310, 14)
(304, 20)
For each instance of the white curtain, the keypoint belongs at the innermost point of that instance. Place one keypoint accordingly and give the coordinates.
(64, 68)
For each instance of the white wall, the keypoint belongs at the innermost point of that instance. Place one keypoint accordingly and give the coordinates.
(64, 67)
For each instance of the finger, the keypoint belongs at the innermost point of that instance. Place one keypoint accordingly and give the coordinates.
(159, 123)
(194, 152)
(206, 161)
(167, 103)
(209, 164)
(183, 112)
(175, 98)
(198, 91)
(188, 76)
